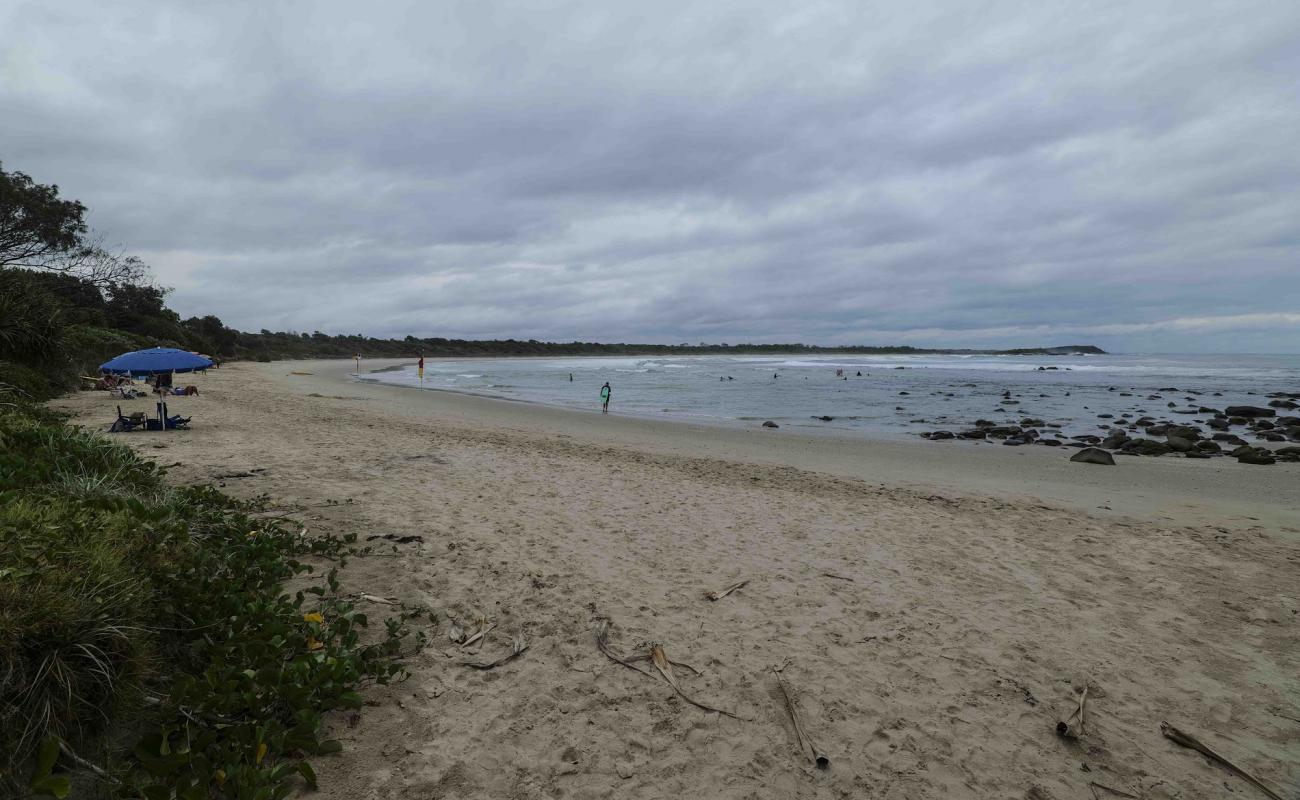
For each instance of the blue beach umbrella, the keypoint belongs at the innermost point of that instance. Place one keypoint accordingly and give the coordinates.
(155, 360)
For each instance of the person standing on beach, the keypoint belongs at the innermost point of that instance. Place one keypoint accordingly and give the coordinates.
(604, 398)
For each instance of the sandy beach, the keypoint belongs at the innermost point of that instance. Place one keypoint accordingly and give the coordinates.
(938, 608)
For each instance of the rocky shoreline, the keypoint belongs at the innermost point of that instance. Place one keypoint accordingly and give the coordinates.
(1210, 433)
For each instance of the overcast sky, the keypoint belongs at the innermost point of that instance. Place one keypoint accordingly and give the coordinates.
(928, 173)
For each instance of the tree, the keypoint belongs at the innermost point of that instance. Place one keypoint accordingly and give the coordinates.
(40, 230)
(37, 227)
(96, 265)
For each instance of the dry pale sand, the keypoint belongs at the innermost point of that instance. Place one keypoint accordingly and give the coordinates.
(938, 607)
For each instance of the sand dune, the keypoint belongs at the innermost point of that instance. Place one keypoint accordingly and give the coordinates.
(938, 609)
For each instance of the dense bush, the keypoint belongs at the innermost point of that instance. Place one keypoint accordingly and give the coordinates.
(125, 602)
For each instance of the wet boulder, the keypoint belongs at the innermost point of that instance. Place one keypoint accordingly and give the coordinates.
(1251, 412)
(1256, 455)
(1115, 440)
(1145, 447)
(1093, 455)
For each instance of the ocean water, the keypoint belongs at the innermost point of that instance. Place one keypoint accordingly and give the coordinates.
(893, 396)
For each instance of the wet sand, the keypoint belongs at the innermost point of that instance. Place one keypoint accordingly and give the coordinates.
(939, 606)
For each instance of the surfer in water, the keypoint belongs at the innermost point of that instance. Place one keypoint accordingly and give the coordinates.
(604, 397)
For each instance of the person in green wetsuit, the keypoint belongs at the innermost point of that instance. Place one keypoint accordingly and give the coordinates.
(604, 398)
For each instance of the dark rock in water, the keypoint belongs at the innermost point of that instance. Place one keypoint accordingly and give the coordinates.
(1145, 447)
(1029, 422)
(1287, 404)
(1105, 416)
(984, 423)
(1087, 437)
(1257, 456)
(1009, 402)
(1015, 441)
(935, 436)
(1091, 455)
(1185, 431)
(1249, 411)
(1219, 424)
(902, 393)
(1050, 442)
(1207, 446)
(974, 433)
(1157, 430)
(1288, 421)
(1207, 410)
(1115, 440)
(1270, 436)
(770, 424)
(1179, 444)
(824, 419)
(1003, 431)
(1290, 453)
(1230, 438)
(1167, 389)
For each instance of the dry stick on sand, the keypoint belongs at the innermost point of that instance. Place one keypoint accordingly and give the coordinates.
(719, 595)
(836, 577)
(818, 757)
(515, 651)
(660, 659)
(1095, 786)
(1187, 740)
(1063, 728)
(483, 628)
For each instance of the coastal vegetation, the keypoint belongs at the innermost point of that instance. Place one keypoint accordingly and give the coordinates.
(149, 646)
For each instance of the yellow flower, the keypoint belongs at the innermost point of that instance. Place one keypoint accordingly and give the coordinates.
(220, 776)
(313, 617)
(261, 752)
(251, 534)
(312, 644)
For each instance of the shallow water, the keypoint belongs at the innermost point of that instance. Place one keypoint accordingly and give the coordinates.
(927, 393)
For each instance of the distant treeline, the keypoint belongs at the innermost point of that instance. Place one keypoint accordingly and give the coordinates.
(320, 345)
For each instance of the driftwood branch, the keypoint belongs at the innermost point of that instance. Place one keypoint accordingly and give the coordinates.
(1187, 740)
(715, 596)
(805, 743)
(515, 651)
(1095, 786)
(661, 662)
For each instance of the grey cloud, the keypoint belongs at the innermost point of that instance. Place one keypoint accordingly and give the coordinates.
(921, 172)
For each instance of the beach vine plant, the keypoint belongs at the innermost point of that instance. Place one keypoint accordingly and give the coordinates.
(160, 642)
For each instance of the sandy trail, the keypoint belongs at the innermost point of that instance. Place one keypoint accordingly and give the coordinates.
(936, 628)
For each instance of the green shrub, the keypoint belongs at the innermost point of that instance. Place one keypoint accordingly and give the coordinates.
(129, 605)
(18, 382)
